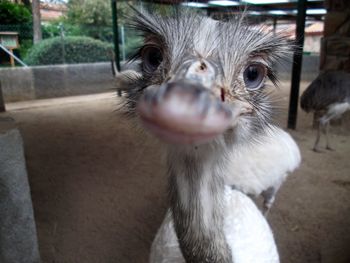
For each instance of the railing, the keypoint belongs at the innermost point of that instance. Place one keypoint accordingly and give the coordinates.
(13, 55)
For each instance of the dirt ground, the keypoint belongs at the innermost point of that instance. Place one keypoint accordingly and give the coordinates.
(99, 189)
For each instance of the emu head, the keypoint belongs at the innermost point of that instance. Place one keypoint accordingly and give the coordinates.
(202, 80)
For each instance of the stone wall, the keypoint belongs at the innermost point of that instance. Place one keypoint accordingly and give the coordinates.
(310, 68)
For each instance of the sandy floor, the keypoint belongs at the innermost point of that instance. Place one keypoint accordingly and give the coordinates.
(98, 186)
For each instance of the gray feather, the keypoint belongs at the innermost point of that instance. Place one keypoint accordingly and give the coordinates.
(328, 88)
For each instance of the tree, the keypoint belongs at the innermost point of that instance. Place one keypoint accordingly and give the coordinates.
(13, 14)
(25, 2)
(37, 34)
(93, 16)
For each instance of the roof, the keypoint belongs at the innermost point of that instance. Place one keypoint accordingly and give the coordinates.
(52, 6)
(8, 33)
(286, 9)
(315, 29)
(47, 15)
(52, 11)
(288, 29)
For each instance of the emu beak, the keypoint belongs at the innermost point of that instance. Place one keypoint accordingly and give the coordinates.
(185, 111)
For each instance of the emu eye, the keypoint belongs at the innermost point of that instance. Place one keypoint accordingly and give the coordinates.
(254, 76)
(151, 58)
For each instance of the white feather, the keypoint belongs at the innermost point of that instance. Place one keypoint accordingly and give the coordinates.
(335, 111)
(246, 230)
(255, 167)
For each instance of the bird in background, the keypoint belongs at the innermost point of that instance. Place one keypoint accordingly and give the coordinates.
(328, 96)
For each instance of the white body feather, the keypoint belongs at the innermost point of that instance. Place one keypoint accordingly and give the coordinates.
(334, 111)
(246, 230)
(253, 168)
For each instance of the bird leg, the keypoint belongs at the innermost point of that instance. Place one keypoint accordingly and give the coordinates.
(269, 197)
(316, 148)
(328, 147)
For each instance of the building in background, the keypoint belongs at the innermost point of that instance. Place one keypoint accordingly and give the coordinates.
(50, 11)
(313, 36)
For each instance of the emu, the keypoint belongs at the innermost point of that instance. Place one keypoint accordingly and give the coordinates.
(201, 91)
(329, 96)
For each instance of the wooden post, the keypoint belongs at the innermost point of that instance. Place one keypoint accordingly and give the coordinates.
(37, 34)
(11, 58)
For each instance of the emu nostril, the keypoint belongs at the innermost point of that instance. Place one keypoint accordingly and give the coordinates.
(223, 94)
(203, 67)
(202, 73)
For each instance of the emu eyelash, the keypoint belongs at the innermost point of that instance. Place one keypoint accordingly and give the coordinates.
(136, 55)
(271, 75)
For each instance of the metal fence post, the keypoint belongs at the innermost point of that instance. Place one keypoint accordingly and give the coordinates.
(297, 64)
(115, 33)
(2, 102)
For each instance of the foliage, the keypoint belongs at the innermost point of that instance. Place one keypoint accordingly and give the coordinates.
(56, 27)
(25, 46)
(68, 50)
(132, 42)
(24, 30)
(93, 16)
(27, 3)
(124, 11)
(54, 1)
(17, 18)
(11, 13)
(133, 39)
(90, 12)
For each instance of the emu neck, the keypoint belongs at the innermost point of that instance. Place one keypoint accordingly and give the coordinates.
(197, 203)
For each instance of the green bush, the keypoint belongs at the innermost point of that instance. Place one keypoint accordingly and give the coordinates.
(69, 50)
(24, 47)
(11, 13)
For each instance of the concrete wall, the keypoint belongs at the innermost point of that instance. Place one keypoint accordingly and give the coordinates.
(18, 236)
(42, 82)
(310, 68)
(312, 43)
(20, 84)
